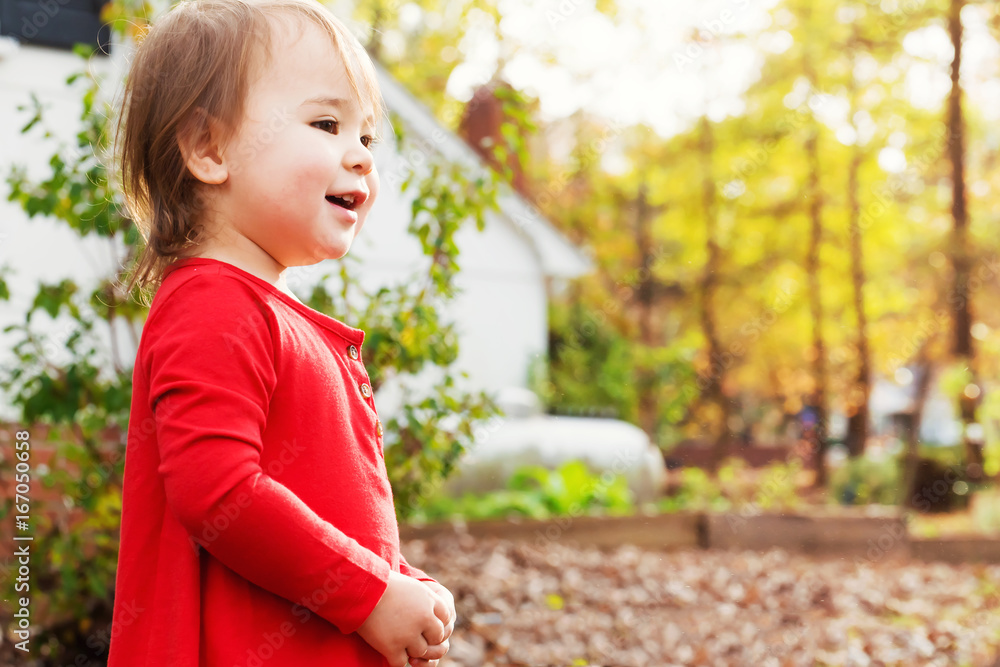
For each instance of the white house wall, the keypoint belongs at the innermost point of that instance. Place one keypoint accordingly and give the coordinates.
(39, 250)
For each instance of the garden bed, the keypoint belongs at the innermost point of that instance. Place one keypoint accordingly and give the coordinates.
(868, 533)
(663, 531)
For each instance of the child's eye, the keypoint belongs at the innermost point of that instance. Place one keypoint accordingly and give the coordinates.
(368, 141)
(331, 124)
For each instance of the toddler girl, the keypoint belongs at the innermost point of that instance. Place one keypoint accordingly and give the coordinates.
(258, 525)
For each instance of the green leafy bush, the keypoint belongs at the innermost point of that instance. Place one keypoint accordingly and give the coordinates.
(595, 365)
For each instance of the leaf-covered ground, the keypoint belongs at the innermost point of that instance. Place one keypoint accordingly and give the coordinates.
(553, 604)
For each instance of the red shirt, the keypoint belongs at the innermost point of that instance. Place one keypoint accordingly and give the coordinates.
(258, 526)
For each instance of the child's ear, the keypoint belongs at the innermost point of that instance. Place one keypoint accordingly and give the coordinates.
(199, 145)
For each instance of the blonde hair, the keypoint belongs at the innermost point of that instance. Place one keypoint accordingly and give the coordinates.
(199, 60)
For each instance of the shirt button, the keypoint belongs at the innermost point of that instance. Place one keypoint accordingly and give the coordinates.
(366, 391)
(353, 351)
(378, 427)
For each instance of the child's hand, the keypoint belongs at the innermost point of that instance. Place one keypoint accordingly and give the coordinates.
(408, 621)
(438, 651)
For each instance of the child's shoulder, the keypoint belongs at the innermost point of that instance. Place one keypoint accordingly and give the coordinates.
(209, 293)
(205, 321)
(197, 292)
(206, 283)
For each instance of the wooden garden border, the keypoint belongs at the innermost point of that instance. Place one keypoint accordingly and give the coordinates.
(861, 535)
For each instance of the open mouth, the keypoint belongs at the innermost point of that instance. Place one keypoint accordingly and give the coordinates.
(348, 201)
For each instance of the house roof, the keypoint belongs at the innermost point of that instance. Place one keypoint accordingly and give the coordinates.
(558, 256)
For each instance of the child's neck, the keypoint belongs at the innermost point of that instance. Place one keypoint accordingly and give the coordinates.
(268, 271)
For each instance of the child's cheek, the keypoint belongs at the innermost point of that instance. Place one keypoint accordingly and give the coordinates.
(374, 185)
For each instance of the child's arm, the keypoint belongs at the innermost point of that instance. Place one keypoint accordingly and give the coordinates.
(210, 359)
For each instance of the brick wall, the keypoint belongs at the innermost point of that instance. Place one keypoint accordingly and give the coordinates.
(44, 501)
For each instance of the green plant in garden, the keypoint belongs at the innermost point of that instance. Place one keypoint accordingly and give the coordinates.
(733, 481)
(697, 492)
(736, 487)
(77, 382)
(867, 480)
(772, 487)
(777, 488)
(572, 488)
(491, 505)
(538, 493)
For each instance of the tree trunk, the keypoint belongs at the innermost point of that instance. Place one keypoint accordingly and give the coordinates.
(814, 195)
(962, 348)
(858, 397)
(712, 393)
(818, 398)
(646, 297)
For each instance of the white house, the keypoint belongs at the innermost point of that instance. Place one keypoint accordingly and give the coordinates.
(508, 269)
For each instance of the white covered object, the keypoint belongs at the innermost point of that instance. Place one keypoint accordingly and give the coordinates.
(549, 441)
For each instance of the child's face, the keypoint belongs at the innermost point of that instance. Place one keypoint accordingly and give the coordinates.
(294, 156)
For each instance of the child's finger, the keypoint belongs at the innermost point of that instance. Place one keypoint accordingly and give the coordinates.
(418, 647)
(441, 610)
(434, 632)
(436, 651)
(420, 662)
(450, 628)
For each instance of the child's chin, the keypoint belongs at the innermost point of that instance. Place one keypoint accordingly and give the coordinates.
(322, 256)
(338, 253)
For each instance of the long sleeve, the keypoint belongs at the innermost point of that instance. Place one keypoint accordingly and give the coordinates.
(211, 365)
(410, 571)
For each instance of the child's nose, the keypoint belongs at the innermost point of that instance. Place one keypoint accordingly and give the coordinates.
(359, 159)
